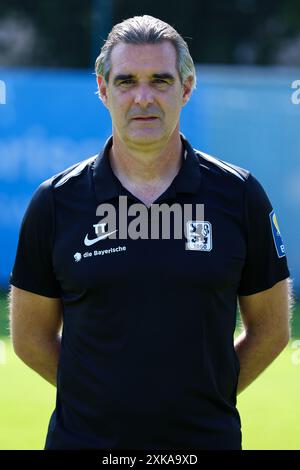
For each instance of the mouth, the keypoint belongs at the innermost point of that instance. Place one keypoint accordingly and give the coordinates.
(145, 118)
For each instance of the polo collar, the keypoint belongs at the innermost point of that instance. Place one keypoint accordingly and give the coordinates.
(107, 185)
(188, 178)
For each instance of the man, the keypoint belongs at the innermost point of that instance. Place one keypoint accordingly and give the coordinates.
(146, 359)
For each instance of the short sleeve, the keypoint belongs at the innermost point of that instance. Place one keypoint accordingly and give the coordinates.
(265, 262)
(33, 267)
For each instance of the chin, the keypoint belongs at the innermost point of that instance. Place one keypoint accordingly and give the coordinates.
(146, 138)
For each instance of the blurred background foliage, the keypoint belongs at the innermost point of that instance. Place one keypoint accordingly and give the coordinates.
(54, 33)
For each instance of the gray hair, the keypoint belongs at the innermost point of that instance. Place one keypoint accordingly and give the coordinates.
(146, 30)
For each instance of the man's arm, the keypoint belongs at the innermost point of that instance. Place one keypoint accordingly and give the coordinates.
(35, 325)
(266, 320)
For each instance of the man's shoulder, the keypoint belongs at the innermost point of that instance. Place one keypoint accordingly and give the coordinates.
(71, 172)
(43, 195)
(217, 166)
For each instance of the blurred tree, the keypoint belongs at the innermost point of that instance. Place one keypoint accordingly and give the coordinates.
(259, 32)
(64, 33)
(45, 33)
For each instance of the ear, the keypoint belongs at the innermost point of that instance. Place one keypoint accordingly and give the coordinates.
(187, 89)
(102, 89)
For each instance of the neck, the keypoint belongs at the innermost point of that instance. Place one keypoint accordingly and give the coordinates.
(146, 165)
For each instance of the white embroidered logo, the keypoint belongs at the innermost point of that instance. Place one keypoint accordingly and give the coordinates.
(199, 235)
(99, 228)
(77, 257)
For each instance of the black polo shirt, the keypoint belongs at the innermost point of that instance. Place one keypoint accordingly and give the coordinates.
(147, 358)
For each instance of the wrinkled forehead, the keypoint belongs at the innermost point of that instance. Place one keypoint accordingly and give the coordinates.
(140, 59)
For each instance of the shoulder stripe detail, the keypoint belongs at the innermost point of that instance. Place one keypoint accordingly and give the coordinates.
(225, 166)
(74, 171)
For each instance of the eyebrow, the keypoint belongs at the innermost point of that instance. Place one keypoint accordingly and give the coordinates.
(129, 76)
(164, 76)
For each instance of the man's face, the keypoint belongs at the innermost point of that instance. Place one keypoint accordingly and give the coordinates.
(144, 94)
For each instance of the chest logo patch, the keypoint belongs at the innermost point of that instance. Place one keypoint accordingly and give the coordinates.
(277, 235)
(199, 235)
(77, 257)
(101, 234)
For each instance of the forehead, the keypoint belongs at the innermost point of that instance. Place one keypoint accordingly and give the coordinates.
(143, 58)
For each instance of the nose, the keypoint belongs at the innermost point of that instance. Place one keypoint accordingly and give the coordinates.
(143, 95)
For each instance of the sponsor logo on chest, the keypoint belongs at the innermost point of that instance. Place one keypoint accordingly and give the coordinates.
(199, 235)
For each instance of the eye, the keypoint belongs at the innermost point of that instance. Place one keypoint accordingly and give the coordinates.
(126, 83)
(160, 81)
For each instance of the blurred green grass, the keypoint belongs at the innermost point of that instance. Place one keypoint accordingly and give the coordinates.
(269, 408)
(26, 402)
(4, 323)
